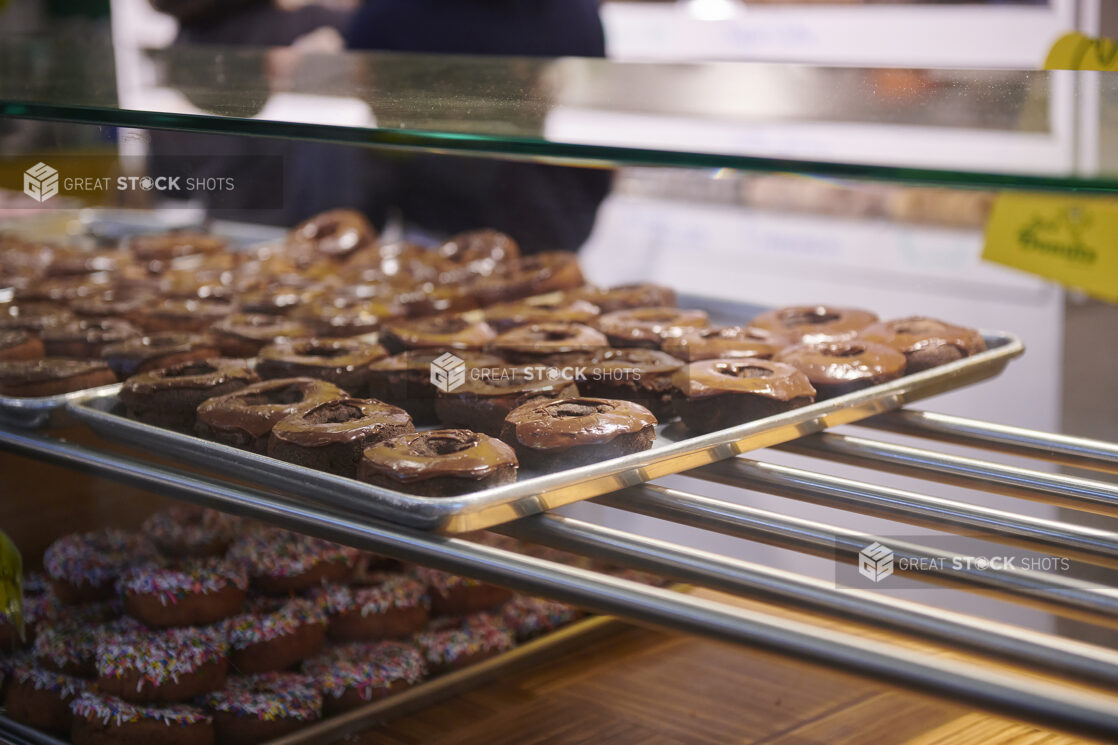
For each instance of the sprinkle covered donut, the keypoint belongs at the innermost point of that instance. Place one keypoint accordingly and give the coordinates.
(190, 593)
(454, 595)
(162, 667)
(393, 605)
(100, 719)
(41, 698)
(276, 639)
(478, 638)
(257, 708)
(71, 648)
(187, 530)
(527, 617)
(351, 675)
(280, 562)
(84, 566)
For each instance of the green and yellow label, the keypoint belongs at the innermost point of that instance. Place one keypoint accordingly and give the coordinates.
(1072, 240)
(11, 583)
(1076, 51)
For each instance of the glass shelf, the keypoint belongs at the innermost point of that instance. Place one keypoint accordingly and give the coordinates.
(983, 129)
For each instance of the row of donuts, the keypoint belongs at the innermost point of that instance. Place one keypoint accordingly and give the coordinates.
(154, 671)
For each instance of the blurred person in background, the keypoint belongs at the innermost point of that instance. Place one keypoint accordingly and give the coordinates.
(544, 207)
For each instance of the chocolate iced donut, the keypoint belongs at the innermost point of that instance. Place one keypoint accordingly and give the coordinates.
(100, 719)
(925, 342)
(643, 376)
(838, 367)
(723, 343)
(86, 337)
(76, 261)
(52, 376)
(17, 344)
(332, 436)
(715, 394)
(41, 698)
(567, 433)
(405, 379)
(439, 463)
(170, 397)
(157, 351)
(439, 332)
(624, 297)
(115, 302)
(334, 234)
(177, 314)
(245, 418)
(548, 309)
(343, 362)
(808, 324)
(32, 316)
(342, 315)
(483, 401)
(480, 252)
(455, 595)
(531, 275)
(649, 327)
(528, 343)
(245, 334)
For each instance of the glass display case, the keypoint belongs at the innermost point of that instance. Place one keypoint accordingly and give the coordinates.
(741, 186)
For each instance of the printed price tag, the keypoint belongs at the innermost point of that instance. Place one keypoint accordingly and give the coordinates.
(1072, 240)
(1076, 51)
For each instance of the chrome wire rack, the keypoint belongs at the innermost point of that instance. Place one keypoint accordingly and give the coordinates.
(1079, 694)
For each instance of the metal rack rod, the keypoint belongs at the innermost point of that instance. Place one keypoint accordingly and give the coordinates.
(1044, 703)
(1081, 452)
(1030, 649)
(1074, 541)
(1056, 489)
(1052, 593)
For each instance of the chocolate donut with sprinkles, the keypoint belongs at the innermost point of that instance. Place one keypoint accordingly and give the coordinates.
(454, 595)
(391, 606)
(189, 593)
(39, 603)
(527, 617)
(258, 708)
(83, 567)
(164, 666)
(352, 675)
(100, 719)
(277, 639)
(188, 530)
(41, 698)
(476, 639)
(280, 562)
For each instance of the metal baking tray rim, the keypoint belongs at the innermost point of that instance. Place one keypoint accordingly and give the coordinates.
(34, 412)
(538, 493)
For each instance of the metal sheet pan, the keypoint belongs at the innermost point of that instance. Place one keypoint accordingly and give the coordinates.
(334, 728)
(674, 450)
(45, 412)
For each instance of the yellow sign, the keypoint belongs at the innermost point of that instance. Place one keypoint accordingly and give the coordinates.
(1070, 239)
(11, 583)
(1076, 51)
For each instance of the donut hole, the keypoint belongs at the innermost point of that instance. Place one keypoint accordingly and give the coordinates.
(190, 370)
(574, 409)
(444, 325)
(551, 335)
(435, 444)
(333, 413)
(743, 371)
(807, 317)
(841, 350)
(917, 327)
(325, 352)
